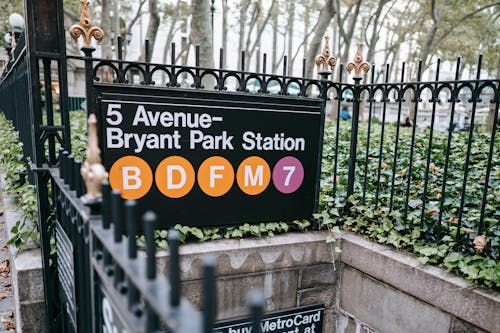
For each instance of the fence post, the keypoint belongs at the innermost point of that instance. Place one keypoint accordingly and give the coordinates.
(322, 62)
(357, 65)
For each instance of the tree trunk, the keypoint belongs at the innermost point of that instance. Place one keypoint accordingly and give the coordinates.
(153, 25)
(325, 16)
(275, 40)
(224, 31)
(243, 19)
(201, 34)
(291, 19)
(106, 47)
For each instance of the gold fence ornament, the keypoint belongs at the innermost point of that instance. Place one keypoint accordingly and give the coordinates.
(324, 59)
(357, 64)
(92, 171)
(85, 27)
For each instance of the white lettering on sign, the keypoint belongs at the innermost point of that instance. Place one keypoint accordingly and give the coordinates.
(107, 313)
(290, 169)
(113, 115)
(210, 142)
(255, 141)
(214, 175)
(131, 180)
(116, 139)
(251, 179)
(170, 176)
(171, 119)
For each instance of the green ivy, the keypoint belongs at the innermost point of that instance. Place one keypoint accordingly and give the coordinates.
(381, 224)
(17, 185)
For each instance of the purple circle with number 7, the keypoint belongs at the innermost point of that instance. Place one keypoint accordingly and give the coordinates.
(288, 174)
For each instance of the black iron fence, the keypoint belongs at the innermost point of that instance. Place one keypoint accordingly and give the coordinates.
(419, 156)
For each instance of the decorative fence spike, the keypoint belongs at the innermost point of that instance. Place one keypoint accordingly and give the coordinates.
(85, 28)
(324, 59)
(357, 64)
(93, 171)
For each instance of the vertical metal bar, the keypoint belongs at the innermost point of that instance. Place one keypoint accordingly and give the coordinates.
(337, 131)
(120, 49)
(398, 124)
(106, 204)
(64, 159)
(49, 107)
(263, 89)
(488, 167)
(381, 150)
(242, 61)
(147, 53)
(368, 137)
(221, 58)
(131, 218)
(197, 56)
(453, 100)
(149, 223)
(172, 54)
(429, 148)
(173, 76)
(117, 215)
(284, 87)
(71, 172)
(89, 80)
(117, 220)
(197, 80)
(416, 100)
(256, 304)
(354, 139)
(474, 100)
(209, 293)
(61, 164)
(220, 83)
(121, 77)
(78, 179)
(173, 264)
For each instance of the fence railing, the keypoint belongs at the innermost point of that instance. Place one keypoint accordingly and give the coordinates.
(402, 162)
(108, 270)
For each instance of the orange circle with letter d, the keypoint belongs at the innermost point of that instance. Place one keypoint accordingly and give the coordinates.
(215, 176)
(174, 177)
(132, 176)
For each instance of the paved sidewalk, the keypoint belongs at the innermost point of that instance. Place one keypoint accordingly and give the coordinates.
(7, 323)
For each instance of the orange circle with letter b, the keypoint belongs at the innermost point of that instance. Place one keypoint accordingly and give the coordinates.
(215, 176)
(132, 176)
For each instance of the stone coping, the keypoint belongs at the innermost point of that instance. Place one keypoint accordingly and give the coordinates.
(431, 284)
(246, 256)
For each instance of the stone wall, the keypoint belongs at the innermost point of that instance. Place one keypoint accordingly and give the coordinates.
(367, 288)
(292, 270)
(385, 290)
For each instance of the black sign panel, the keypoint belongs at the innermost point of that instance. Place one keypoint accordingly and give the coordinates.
(66, 272)
(207, 158)
(299, 320)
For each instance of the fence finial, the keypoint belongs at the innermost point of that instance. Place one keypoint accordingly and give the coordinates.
(93, 171)
(324, 59)
(85, 27)
(13, 44)
(357, 64)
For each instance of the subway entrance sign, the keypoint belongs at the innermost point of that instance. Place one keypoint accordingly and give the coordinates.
(203, 158)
